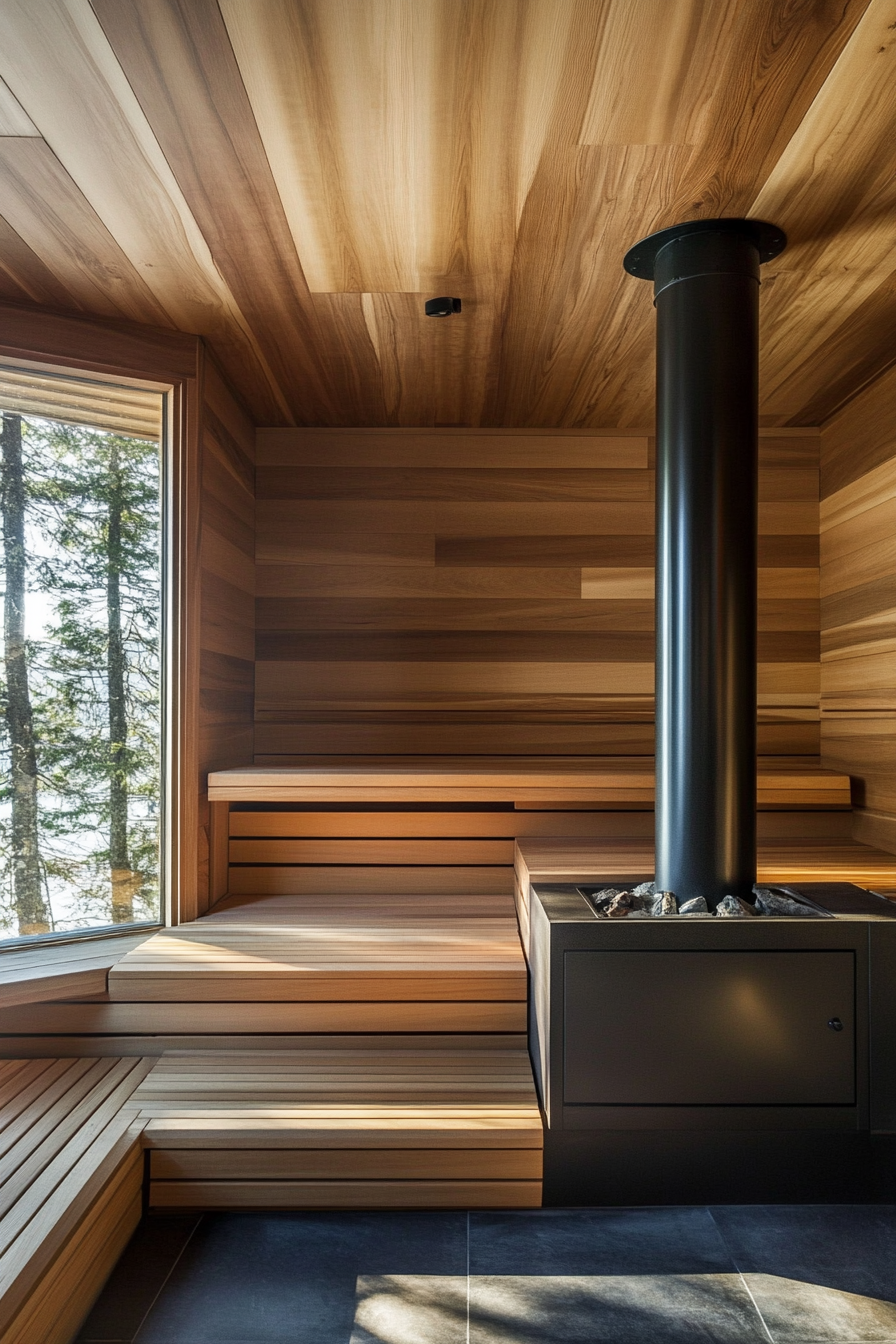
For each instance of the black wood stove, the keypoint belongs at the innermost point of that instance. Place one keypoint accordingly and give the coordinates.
(724, 1053)
(704, 1059)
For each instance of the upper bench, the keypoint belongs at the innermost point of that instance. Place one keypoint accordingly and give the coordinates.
(526, 782)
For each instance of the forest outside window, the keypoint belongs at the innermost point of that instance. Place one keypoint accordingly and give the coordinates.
(81, 788)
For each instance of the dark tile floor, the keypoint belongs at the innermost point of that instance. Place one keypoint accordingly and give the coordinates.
(806, 1274)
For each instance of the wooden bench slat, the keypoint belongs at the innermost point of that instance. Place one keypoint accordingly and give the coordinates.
(48, 1135)
(39, 1242)
(17, 1106)
(67, 1171)
(345, 1164)
(55, 1307)
(346, 1194)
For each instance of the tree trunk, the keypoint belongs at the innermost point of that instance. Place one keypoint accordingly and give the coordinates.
(123, 878)
(31, 908)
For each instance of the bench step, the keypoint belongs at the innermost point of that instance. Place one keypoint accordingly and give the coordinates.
(351, 955)
(343, 1128)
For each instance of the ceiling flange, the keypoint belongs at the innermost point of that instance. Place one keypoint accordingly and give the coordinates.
(640, 260)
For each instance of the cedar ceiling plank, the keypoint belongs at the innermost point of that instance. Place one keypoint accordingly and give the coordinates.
(47, 210)
(507, 153)
(857, 353)
(596, 200)
(834, 192)
(434, 372)
(14, 120)
(403, 169)
(345, 317)
(58, 59)
(179, 60)
(376, 140)
(24, 278)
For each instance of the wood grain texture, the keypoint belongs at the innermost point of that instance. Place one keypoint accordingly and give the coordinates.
(505, 823)
(48, 212)
(778, 861)
(70, 1179)
(831, 204)
(69, 970)
(507, 448)
(499, 780)
(252, 1019)
(24, 277)
(398, 610)
(304, 1164)
(58, 55)
(227, 586)
(348, 951)
(291, 182)
(14, 120)
(860, 437)
(180, 62)
(345, 1127)
(858, 605)
(407, 1194)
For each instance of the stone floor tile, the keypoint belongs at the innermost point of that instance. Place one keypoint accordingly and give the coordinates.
(613, 1309)
(598, 1241)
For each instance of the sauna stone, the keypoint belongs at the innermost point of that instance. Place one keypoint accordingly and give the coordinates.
(775, 903)
(732, 907)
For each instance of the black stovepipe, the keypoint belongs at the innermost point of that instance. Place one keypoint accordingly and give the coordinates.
(706, 294)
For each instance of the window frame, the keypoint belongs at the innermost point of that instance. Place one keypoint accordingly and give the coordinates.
(171, 364)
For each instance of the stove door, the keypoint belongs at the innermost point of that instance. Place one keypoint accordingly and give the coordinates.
(658, 1028)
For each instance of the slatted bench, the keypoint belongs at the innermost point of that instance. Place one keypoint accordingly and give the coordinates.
(344, 1127)
(71, 1178)
(339, 964)
(447, 826)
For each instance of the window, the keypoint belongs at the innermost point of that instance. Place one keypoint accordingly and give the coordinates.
(81, 770)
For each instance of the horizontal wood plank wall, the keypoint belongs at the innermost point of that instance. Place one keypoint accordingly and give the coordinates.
(491, 592)
(227, 571)
(858, 605)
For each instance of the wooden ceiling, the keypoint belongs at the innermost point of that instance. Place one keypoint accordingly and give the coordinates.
(292, 178)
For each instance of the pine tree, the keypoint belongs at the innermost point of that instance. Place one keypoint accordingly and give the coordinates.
(97, 494)
(30, 906)
(123, 877)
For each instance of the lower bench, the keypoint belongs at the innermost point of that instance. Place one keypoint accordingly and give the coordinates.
(335, 1127)
(343, 1128)
(71, 1182)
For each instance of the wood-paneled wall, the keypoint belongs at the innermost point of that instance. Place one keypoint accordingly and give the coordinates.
(461, 591)
(858, 605)
(227, 588)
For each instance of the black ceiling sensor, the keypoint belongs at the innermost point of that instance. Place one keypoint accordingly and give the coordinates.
(443, 307)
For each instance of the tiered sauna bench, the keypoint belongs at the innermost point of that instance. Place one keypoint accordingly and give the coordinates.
(346, 1025)
(616, 781)
(446, 827)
